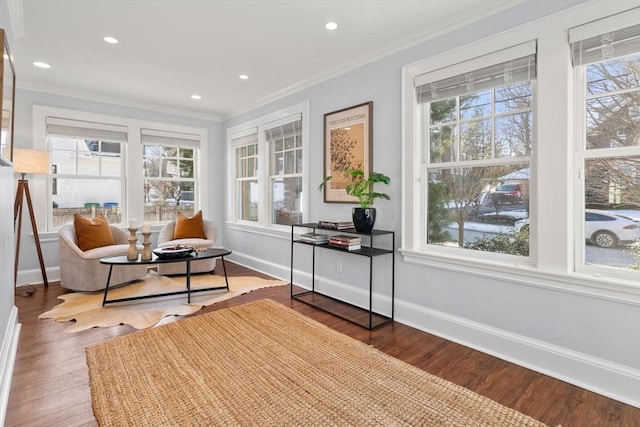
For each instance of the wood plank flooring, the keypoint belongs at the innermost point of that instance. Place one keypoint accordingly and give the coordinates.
(50, 381)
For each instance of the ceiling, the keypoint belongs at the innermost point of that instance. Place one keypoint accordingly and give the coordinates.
(169, 50)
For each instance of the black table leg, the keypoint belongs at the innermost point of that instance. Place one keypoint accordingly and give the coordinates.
(188, 281)
(224, 269)
(106, 289)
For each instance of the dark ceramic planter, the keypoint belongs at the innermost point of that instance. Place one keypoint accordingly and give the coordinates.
(363, 219)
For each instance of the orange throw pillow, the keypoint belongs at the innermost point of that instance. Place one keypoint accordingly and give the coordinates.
(189, 228)
(92, 233)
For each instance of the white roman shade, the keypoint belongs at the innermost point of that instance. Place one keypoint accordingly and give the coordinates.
(507, 66)
(608, 38)
(164, 138)
(283, 128)
(86, 130)
(247, 137)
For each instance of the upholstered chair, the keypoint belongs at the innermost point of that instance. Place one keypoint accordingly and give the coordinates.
(81, 270)
(166, 239)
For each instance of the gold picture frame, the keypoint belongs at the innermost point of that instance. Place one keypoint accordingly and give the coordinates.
(347, 145)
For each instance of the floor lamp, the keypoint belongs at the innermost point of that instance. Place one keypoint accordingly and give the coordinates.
(36, 162)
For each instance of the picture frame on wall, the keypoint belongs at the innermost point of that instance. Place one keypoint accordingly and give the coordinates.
(7, 97)
(347, 145)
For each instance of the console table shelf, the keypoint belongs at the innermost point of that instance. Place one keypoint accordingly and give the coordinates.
(364, 317)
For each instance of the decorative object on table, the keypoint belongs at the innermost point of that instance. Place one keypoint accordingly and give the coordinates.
(132, 253)
(85, 310)
(314, 238)
(335, 225)
(171, 252)
(80, 270)
(347, 145)
(7, 99)
(146, 243)
(307, 374)
(195, 232)
(344, 241)
(35, 162)
(362, 188)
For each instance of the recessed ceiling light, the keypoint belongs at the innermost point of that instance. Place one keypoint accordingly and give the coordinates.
(331, 25)
(196, 97)
(41, 64)
(243, 76)
(111, 40)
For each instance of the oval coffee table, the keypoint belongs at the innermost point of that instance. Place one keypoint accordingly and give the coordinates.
(122, 260)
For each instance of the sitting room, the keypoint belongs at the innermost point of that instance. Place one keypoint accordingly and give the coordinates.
(320, 213)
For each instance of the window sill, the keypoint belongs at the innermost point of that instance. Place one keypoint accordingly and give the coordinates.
(593, 285)
(280, 232)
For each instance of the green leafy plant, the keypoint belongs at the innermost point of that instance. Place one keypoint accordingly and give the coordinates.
(363, 188)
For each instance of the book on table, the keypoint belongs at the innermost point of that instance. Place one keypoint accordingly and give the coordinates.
(345, 239)
(347, 246)
(315, 238)
(335, 225)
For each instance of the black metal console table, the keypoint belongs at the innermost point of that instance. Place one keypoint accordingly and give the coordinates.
(364, 317)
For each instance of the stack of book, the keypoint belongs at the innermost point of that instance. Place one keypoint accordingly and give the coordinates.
(314, 238)
(343, 241)
(335, 225)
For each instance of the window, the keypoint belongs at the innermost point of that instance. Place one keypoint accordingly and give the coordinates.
(120, 167)
(476, 132)
(267, 159)
(88, 172)
(169, 161)
(606, 57)
(246, 152)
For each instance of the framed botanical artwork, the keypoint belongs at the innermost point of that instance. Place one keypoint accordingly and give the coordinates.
(347, 145)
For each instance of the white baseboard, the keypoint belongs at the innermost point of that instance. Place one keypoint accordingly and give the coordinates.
(609, 379)
(7, 360)
(34, 276)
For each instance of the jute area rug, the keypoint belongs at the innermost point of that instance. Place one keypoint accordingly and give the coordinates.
(263, 364)
(87, 310)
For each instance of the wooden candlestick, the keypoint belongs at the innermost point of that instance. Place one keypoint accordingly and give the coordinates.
(146, 251)
(132, 253)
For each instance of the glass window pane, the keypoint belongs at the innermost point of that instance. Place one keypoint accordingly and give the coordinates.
(286, 193)
(298, 161)
(186, 153)
(88, 164)
(480, 208)
(475, 140)
(475, 105)
(514, 135)
(289, 143)
(614, 121)
(442, 111)
(152, 150)
(170, 151)
(289, 162)
(614, 75)
(65, 161)
(86, 197)
(513, 97)
(247, 197)
(58, 143)
(169, 168)
(186, 168)
(443, 144)
(151, 167)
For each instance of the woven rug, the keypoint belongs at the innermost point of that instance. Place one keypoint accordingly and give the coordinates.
(85, 308)
(263, 364)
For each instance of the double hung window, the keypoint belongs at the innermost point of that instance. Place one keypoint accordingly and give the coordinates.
(170, 173)
(606, 58)
(87, 170)
(267, 164)
(475, 124)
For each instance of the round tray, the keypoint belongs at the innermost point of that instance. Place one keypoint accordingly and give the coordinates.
(172, 252)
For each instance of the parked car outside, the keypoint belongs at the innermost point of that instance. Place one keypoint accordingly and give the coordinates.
(507, 193)
(603, 228)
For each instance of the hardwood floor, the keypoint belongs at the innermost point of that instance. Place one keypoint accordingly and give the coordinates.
(50, 380)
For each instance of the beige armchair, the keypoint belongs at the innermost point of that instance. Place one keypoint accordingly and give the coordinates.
(81, 270)
(165, 238)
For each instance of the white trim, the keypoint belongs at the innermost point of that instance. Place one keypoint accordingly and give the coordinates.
(448, 70)
(607, 378)
(605, 25)
(8, 360)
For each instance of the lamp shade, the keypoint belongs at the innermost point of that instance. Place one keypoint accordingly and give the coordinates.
(26, 160)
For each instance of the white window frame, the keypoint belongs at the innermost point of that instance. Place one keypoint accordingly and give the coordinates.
(264, 178)
(582, 32)
(133, 175)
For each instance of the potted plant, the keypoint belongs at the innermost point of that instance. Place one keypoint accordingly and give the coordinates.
(363, 189)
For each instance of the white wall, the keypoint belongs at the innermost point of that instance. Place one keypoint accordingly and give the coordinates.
(574, 333)
(9, 326)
